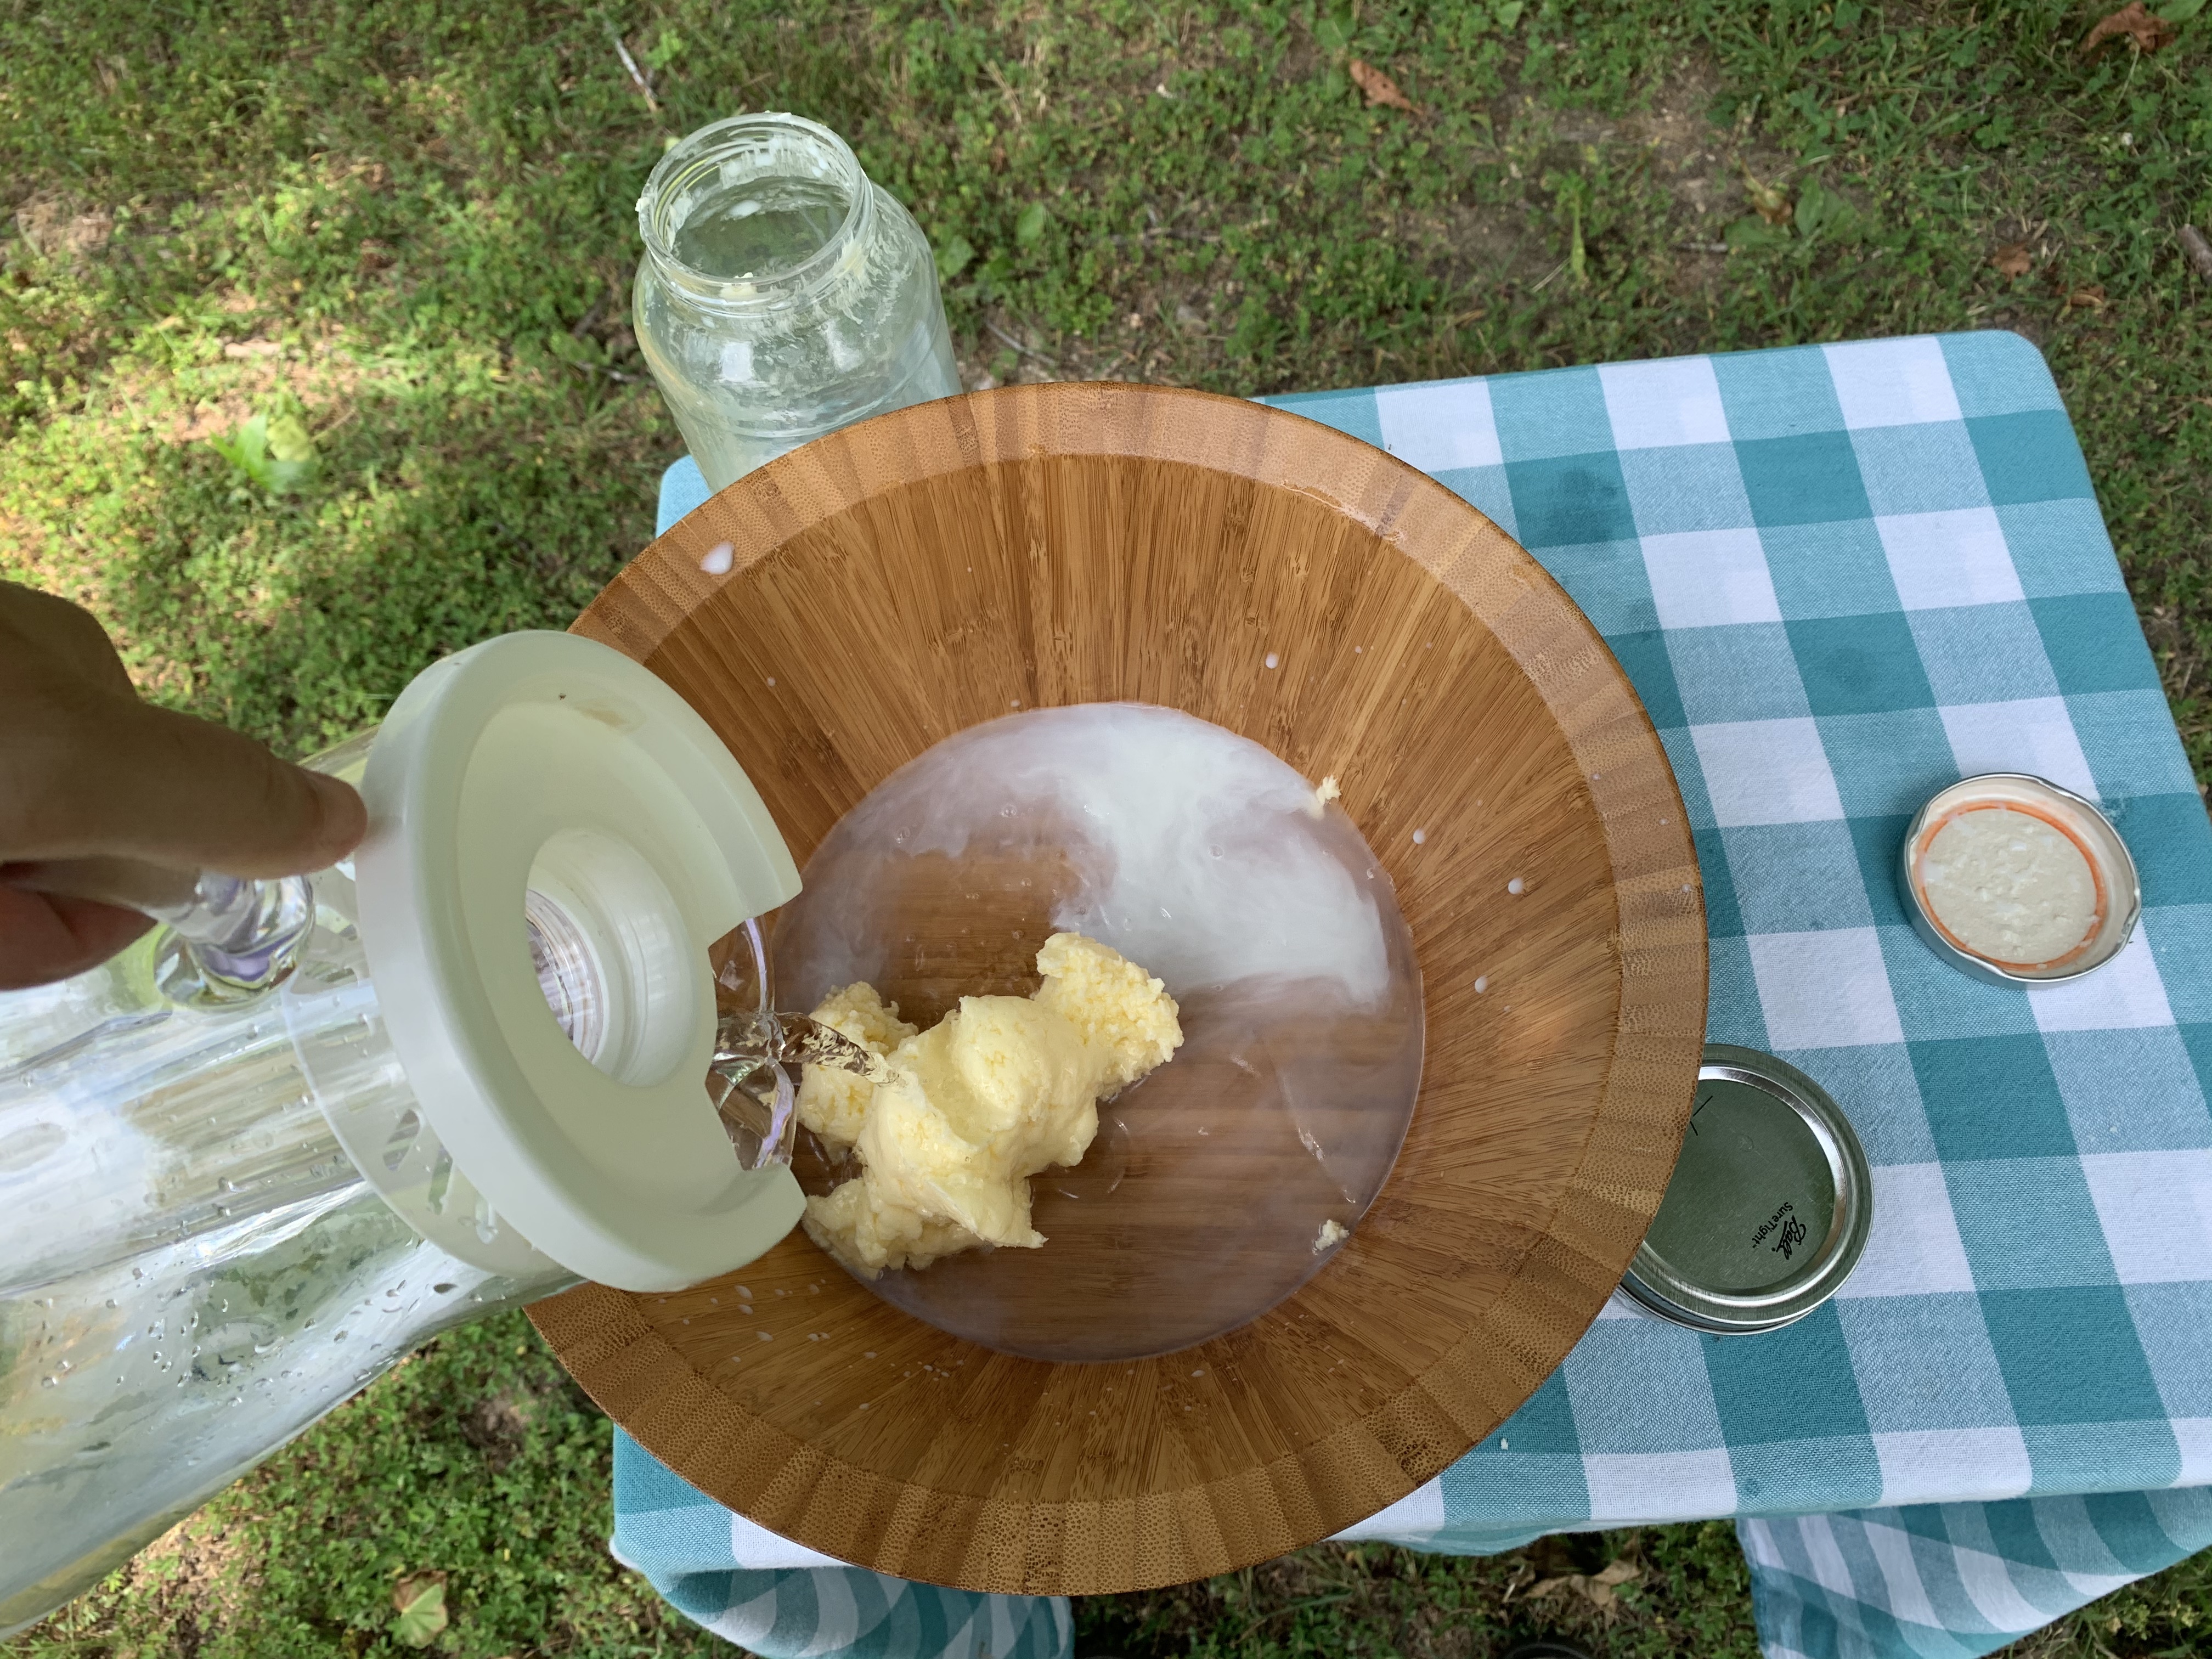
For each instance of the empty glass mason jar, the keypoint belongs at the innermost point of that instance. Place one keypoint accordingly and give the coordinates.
(782, 293)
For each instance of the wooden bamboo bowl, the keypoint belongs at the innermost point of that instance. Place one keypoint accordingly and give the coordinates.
(907, 578)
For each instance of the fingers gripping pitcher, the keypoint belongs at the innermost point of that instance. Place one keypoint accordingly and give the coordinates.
(267, 1152)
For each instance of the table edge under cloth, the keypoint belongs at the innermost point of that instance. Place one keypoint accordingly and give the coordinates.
(1950, 1544)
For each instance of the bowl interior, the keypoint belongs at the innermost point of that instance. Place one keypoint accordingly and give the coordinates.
(1043, 546)
(1218, 1184)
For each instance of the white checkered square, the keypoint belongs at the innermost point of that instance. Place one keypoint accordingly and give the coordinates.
(1914, 1248)
(753, 1545)
(1761, 1545)
(1940, 560)
(1440, 426)
(1817, 1536)
(1419, 1514)
(1952, 1465)
(1629, 1488)
(1621, 1305)
(2126, 993)
(1892, 382)
(2194, 1436)
(1987, 1580)
(1766, 772)
(1892, 1549)
(2156, 1211)
(1710, 579)
(1824, 990)
(2029, 734)
(1663, 405)
(2091, 1585)
(2085, 1560)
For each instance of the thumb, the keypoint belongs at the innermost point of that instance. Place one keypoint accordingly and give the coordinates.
(126, 779)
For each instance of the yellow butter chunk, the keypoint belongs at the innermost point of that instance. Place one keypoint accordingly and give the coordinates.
(1001, 1089)
(834, 1103)
(1121, 1010)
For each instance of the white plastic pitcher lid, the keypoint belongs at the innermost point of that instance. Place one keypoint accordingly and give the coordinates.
(549, 774)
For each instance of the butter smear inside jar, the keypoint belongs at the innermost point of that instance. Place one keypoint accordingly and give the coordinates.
(2011, 878)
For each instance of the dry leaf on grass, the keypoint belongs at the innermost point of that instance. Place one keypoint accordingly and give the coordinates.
(1773, 205)
(2143, 30)
(1378, 87)
(2011, 260)
(1597, 1589)
(2089, 297)
(2198, 249)
(49, 229)
(420, 1603)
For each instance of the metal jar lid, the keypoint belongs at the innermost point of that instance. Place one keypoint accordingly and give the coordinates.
(2119, 892)
(1769, 1207)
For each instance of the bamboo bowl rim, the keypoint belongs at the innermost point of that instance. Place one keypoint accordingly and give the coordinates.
(1244, 1447)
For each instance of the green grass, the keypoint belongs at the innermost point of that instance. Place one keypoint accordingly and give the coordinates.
(407, 228)
(478, 1459)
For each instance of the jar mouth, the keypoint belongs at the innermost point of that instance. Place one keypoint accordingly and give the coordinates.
(730, 154)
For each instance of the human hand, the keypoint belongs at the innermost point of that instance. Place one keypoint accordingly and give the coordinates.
(102, 794)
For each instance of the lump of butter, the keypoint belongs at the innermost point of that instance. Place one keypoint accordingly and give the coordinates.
(833, 1102)
(1000, 1089)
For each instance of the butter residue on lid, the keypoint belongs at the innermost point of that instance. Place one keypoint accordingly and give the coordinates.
(2011, 886)
(2012, 878)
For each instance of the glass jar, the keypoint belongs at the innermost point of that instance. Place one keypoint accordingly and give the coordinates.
(782, 293)
(221, 1215)
(193, 1266)
(224, 1204)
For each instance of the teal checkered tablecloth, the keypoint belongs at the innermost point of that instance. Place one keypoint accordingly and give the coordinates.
(1840, 577)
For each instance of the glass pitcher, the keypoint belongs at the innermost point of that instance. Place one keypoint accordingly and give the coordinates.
(782, 293)
(274, 1147)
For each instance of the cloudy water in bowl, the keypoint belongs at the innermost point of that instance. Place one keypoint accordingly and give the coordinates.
(1208, 859)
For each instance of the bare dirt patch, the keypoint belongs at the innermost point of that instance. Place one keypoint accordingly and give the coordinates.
(320, 374)
(198, 1576)
(54, 226)
(497, 1428)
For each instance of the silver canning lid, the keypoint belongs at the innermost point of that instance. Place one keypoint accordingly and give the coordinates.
(2120, 893)
(1769, 1207)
